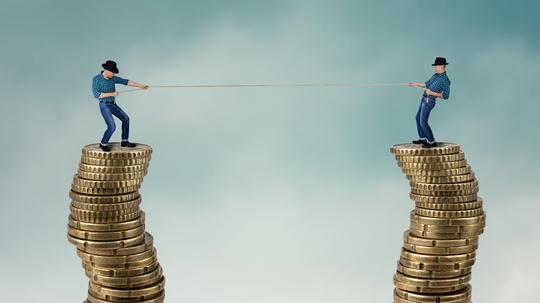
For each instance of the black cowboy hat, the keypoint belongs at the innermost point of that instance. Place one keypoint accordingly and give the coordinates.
(110, 66)
(440, 61)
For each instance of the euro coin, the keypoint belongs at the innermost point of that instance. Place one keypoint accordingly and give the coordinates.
(106, 207)
(442, 180)
(456, 297)
(409, 149)
(117, 151)
(449, 213)
(127, 282)
(431, 159)
(75, 196)
(82, 243)
(159, 298)
(419, 273)
(114, 162)
(104, 169)
(438, 173)
(443, 199)
(450, 206)
(433, 166)
(103, 292)
(131, 250)
(111, 177)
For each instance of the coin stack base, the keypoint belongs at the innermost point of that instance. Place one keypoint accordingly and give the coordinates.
(439, 248)
(107, 226)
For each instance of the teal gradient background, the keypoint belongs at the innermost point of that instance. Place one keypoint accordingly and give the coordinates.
(269, 195)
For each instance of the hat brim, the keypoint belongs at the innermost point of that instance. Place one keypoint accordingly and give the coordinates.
(439, 64)
(114, 70)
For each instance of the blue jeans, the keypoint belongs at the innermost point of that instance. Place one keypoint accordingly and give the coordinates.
(424, 131)
(107, 111)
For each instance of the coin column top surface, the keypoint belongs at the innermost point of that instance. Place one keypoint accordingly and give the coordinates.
(409, 149)
(117, 151)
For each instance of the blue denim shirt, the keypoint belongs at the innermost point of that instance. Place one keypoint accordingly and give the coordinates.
(102, 85)
(439, 83)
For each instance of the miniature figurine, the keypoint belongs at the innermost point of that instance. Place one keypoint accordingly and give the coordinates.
(103, 87)
(438, 86)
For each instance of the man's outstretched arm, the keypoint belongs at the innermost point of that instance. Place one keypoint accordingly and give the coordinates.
(417, 84)
(137, 84)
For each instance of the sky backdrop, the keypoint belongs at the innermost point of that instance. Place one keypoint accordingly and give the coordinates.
(269, 195)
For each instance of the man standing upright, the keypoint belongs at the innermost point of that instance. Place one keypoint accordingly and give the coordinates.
(103, 87)
(438, 86)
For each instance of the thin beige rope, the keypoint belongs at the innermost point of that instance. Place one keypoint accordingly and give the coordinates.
(337, 84)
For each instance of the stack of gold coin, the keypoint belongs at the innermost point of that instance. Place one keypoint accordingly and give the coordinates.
(440, 245)
(107, 226)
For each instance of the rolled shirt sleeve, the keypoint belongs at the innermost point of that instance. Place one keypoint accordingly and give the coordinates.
(96, 90)
(446, 90)
(117, 79)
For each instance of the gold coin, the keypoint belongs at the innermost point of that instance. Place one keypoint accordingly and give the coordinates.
(107, 226)
(441, 243)
(108, 220)
(431, 159)
(447, 228)
(105, 235)
(103, 199)
(436, 266)
(117, 151)
(83, 215)
(444, 187)
(131, 265)
(106, 207)
(105, 184)
(450, 199)
(438, 173)
(441, 235)
(450, 213)
(436, 259)
(433, 166)
(104, 292)
(132, 250)
(433, 283)
(104, 191)
(442, 180)
(481, 218)
(101, 169)
(105, 218)
(111, 177)
(450, 206)
(440, 193)
(461, 296)
(82, 243)
(127, 282)
(114, 162)
(431, 250)
(144, 258)
(432, 274)
(120, 272)
(159, 298)
(409, 149)
(426, 290)
(398, 299)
